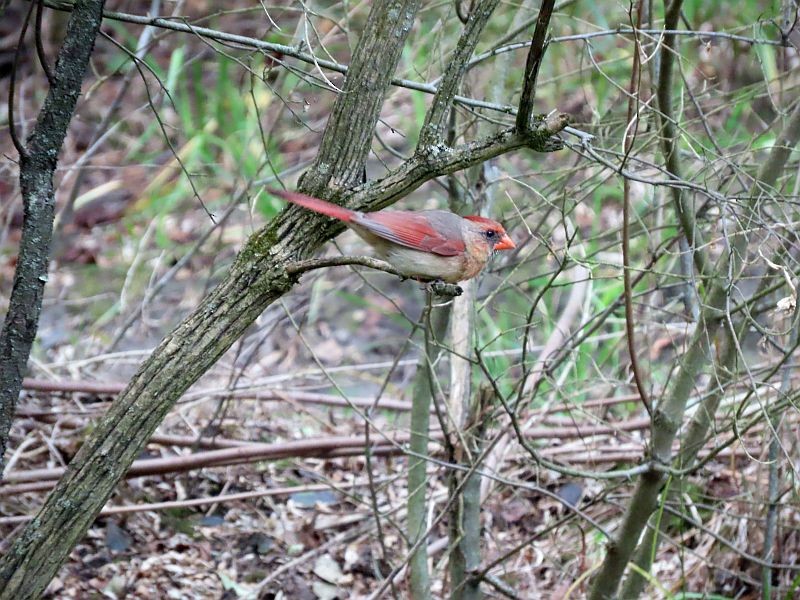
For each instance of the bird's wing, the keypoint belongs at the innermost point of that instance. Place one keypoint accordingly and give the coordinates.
(437, 232)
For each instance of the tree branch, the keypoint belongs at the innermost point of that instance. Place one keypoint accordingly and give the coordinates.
(37, 166)
(684, 211)
(346, 141)
(435, 321)
(311, 264)
(535, 56)
(433, 129)
(435, 162)
(630, 136)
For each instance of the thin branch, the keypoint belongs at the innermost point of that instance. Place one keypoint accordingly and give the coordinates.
(773, 457)
(12, 91)
(683, 207)
(304, 266)
(435, 320)
(502, 47)
(298, 268)
(192, 502)
(156, 288)
(241, 392)
(752, 558)
(280, 49)
(140, 64)
(102, 131)
(535, 56)
(630, 136)
(40, 53)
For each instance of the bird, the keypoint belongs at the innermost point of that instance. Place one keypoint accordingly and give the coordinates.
(427, 245)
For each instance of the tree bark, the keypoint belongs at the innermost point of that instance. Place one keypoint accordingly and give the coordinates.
(38, 162)
(435, 321)
(348, 135)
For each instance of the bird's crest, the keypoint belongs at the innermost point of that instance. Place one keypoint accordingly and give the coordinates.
(483, 221)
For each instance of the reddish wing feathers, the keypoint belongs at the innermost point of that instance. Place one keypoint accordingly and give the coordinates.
(411, 230)
(317, 205)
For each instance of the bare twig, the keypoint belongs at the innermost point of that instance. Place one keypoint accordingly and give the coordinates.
(154, 290)
(534, 61)
(221, 498)
(102, 130)
(773, 456)
(336, 261)
(40, 53)
(630, 137)
(12, 88)
(83, 387)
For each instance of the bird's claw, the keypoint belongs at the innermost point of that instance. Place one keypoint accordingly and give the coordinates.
(440, 288)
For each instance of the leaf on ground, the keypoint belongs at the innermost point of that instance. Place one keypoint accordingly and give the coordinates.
(326, 591)
(328, 569)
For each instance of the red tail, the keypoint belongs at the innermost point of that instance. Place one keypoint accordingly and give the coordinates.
(315, 204)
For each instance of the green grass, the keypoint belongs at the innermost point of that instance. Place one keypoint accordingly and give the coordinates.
(214, 133)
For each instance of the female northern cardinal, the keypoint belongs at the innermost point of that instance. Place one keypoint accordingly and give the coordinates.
(428, 245)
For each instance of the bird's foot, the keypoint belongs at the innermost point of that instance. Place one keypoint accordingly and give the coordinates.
(440, 288)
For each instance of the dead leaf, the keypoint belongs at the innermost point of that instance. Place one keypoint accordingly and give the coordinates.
(328, 569)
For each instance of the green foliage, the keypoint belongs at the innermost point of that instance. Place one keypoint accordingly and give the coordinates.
(216, 139)
(790, 592)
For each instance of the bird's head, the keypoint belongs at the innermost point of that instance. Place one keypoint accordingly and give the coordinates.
(492, 232)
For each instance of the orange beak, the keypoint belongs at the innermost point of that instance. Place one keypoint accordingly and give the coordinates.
(505, 243)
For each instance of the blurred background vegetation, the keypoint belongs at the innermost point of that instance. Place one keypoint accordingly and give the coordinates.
(161, 180)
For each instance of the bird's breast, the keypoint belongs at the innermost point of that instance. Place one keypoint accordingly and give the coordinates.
(426, 265)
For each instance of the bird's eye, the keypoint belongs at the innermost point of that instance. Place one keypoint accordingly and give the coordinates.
(491, 234)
